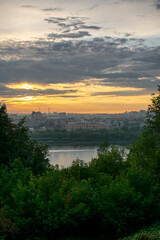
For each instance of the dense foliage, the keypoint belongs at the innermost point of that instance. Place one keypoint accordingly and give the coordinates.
(113, 195)
(15, 143)
(87, 137)
(148, 233)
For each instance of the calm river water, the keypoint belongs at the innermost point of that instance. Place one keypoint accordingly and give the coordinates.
(63, 156)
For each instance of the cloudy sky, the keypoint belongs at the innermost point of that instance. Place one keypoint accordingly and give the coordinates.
(79, 56)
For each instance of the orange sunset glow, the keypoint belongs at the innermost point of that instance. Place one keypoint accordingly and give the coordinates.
(94, 59)
(85, 99)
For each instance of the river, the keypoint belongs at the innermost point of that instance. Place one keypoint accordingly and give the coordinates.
(63, 156)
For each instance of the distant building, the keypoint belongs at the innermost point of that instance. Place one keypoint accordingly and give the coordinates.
(55, 114)
(37, 118)
(71, 121)
(86, 125)
(36, 115)
(62, 114)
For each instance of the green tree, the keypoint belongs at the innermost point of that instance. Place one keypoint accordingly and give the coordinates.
(153, 118)
(110, 160)
(15, 143)
(145, 154)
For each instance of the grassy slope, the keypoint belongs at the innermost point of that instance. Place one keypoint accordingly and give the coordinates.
(148, 233)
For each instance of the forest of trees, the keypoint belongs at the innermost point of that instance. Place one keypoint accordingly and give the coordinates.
(83, 137)
(111, 197)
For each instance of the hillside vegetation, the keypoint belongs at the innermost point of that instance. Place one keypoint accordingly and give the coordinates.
(83, 137)
(149, 233)
(111, 197)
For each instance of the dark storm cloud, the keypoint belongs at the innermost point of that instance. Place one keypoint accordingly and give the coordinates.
(112, 61)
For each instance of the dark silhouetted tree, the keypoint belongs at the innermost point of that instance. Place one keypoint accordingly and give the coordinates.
(15, 143)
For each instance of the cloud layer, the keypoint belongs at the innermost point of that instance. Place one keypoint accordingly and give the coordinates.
(158, 4)
(10, 92)
(112, 61)
(103, 48)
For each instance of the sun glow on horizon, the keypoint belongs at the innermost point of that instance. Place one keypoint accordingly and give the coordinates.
(89, 85)
(90, 95)
(25, 85)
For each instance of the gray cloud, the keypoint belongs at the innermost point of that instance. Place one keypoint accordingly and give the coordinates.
(10, 92)
(52, 9)
(112, 61)
(158, 4)
(60, 20)
(28, 6)
(71, 23)
(132, 1)
(128, 34)
(89, 27)
(69, 96)
(93, 7)
(79, 34)
(121, 93)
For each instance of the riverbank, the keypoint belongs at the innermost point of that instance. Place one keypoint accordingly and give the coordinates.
(51, 143)
(87, 137)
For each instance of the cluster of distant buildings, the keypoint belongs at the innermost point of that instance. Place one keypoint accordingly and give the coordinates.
(74, 121)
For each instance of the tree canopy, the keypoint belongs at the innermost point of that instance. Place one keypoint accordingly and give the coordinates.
(146, 152)
(15, 143)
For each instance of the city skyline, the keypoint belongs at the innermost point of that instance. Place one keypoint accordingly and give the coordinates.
(47, 112)
(92, 56)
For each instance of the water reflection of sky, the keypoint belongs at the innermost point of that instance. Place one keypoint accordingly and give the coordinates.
(63, 156)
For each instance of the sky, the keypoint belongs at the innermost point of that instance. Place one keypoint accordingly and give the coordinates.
(84, 56)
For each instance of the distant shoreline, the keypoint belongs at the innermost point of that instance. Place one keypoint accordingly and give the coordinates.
(86, 138)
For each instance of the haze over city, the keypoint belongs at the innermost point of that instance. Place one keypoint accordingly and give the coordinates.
(88, 56)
